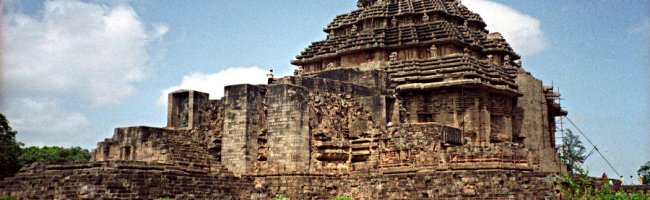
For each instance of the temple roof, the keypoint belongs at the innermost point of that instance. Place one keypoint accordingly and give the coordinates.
(403, 23)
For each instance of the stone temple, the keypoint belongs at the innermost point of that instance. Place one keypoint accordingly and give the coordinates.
(404, 99)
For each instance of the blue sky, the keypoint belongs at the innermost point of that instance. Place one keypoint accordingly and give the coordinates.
(74, 70)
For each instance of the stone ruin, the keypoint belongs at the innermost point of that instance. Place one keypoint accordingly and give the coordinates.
(404, 99)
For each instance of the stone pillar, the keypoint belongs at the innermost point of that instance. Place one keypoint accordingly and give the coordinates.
(242, 107)
(288, 128)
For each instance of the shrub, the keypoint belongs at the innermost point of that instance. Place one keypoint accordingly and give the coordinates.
(581, 186)
(281, 198)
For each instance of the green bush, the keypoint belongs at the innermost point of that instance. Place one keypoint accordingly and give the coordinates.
(280, 197)
(341, 198)
(8, 198)
(580, 186)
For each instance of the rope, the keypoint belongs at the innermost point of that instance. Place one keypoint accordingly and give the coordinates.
(592, 144)
(589, 154)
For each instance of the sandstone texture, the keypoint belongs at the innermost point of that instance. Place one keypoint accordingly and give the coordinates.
(404, 99)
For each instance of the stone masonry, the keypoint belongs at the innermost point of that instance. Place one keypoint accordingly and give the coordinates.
(404, 99)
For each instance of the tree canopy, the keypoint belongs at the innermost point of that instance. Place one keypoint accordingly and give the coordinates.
(53, 154)
(9, 149)
(644, 171)
(573, 152)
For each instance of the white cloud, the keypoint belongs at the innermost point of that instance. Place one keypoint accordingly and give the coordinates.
(215, 83)
(87, 50)
(522, 31)
(72, 50)
(44, 122)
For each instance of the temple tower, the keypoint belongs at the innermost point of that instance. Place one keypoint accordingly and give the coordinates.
(444, 66)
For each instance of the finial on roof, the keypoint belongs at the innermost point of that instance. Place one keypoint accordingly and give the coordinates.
(361, 4)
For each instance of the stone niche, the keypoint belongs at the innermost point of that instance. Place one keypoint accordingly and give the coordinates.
(184, 108)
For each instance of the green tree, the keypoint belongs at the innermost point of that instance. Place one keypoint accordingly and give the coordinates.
(581, 186)
(644, 171)
(9, 149)
(53, 154)
(572, 150)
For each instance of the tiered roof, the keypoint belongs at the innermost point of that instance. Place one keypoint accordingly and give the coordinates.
(391, 25)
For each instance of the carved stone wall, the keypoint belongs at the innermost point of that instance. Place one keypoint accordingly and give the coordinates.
(487, 117)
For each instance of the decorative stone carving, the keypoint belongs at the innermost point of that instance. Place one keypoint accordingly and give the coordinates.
(183, 115)
(354, 29)
(393, 56)
(507, 60)
(393, 21)
(403, 112)
(489, 58)
(433, 51)
(330, 65)
(425, 17)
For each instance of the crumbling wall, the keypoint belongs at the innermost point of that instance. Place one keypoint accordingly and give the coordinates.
(157, 145)
(344, 127)
(489, 184)
(532, 125)
(213, 127)
(123, 180)
(134, 143)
